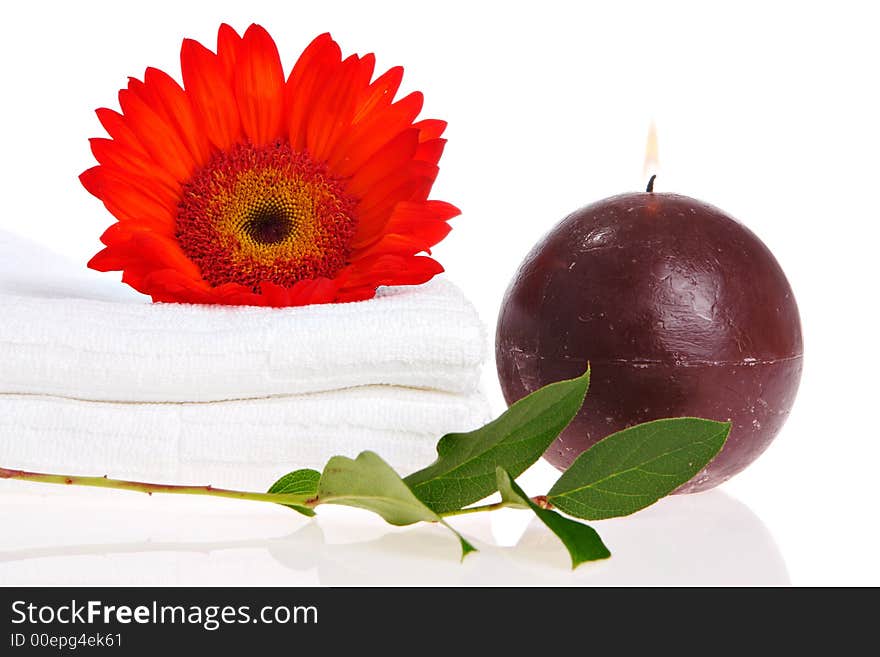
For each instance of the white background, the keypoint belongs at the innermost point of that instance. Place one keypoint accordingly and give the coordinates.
(771, 112)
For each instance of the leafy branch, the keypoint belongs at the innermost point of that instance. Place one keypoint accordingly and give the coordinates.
(623, 473)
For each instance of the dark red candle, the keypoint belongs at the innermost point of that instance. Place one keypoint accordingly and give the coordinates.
(680, 310)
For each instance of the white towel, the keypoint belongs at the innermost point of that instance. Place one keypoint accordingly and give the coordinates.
(245, 444)
(95, 380)
(69, 332)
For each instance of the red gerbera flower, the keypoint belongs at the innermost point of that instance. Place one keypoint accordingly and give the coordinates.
(243, 188)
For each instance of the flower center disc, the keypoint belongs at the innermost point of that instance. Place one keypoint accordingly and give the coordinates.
(265, 213)
(268, 225)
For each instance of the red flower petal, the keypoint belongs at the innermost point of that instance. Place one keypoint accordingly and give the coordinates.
(116, 155)
(258, 84)
(386, 162)
(115, 125)
(93, 182)
(172, 103)
(146, 248)
(130, 204)
(107, 260)
(209, 89)
(334, 109)
(159, 139)
(414, 226)
(319, 290)
(306, 80)
(430, 151)
(169, 285)
(380, 93)
(415, 241)
(355, 154)
(430, 128)
(374, 132)
(118, 234)
(361, 280)
(376, 206)
(228, 43)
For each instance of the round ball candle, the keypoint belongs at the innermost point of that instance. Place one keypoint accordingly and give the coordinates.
(679, 309)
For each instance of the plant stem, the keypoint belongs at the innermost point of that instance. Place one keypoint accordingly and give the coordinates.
(149, 489)
(474, 509)
(173, 489)
(540, 500)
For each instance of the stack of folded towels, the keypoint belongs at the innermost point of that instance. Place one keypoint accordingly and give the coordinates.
(96, 380)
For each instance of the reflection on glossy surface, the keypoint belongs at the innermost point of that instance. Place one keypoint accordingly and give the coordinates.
(707, 538)
(697, 539)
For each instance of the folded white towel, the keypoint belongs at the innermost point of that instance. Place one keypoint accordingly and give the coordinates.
(247, 443)
(96, 380)
(69, 332)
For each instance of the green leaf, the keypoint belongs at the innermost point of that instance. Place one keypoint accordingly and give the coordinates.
(634, 468)
(302, 482)
(466, 546)
(581, 541)
(368, 482)
(299, 482)
(464, 471)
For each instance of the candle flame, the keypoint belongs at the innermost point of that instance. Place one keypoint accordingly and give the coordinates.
(652, 152)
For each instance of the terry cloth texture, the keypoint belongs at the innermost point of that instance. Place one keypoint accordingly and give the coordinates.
(95, 379)
(248, 443)
(64, 333)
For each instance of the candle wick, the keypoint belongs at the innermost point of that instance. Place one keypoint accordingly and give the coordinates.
(650, 188)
